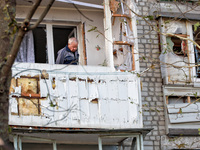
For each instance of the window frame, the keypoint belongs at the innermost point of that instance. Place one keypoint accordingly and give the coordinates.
(191, 54)
(49, 35)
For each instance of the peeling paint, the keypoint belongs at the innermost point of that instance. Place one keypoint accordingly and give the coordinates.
(81, 79)
(89, 80)
(72, 78)
(95, 100)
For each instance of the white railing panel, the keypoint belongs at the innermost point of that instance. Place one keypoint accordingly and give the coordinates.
(75, 97)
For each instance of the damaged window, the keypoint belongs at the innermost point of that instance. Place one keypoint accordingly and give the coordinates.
(182, 99)
(178, 45)
(123, 39)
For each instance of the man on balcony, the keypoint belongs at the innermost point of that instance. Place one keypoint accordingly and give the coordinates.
(69, 54)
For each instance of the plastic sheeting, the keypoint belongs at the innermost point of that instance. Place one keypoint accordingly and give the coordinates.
(123, 60)
(169, 63)
(173, 65)
(175, 27)
(26, 51)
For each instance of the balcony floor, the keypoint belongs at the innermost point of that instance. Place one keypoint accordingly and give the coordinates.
(76, 136)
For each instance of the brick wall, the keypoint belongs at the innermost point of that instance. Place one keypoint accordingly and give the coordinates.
(152, 97)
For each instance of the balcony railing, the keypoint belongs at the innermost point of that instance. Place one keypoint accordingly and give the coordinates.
(61, 96)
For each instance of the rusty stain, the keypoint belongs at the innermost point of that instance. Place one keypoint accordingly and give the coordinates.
(89, 80)
(53, 83)
(102, 81)
(84, 98)
(44, 74)
(18, 105)
(29, 101)
(72, 78)
(81, 79)
(95, 101)
(39, 108)
(28, 85)
(28, 107)
(12, 85)
(114, 5)
(29, 77)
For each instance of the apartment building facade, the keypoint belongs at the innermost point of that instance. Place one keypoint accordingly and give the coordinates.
(94, 105)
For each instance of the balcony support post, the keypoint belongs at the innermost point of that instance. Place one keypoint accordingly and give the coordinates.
(100, 143)
(141, 142)
(54, 145)
(20, 142)
(15, 139)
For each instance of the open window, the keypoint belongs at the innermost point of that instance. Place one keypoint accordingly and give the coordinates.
(46, 40)
(112, 30)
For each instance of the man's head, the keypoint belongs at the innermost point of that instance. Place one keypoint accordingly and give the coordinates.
(73, 44)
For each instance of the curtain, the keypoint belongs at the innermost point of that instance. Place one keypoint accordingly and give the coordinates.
(26, 51)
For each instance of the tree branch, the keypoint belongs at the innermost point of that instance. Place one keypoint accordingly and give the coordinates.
(9, 60)
(42, 15)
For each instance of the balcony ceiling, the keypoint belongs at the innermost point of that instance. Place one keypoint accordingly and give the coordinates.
(62, 4)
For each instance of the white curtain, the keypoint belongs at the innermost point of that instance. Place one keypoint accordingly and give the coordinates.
(26, 51)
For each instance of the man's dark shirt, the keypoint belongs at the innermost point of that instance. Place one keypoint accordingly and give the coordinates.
(66, 56)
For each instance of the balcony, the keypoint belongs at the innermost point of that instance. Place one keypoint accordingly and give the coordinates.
(60, 96)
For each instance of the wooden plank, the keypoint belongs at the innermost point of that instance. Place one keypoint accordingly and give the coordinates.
(133, 58)
(121, 43)
(183, 118)
(113, 22)
(185, 108)
(167, 100)
(121, 15)
(188, 99)
(84, 47)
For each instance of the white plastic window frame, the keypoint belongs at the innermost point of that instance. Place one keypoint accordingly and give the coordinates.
(49, 38)
(50, 43)
(192, 54)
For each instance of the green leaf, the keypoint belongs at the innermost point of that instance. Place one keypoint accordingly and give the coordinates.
(195, 95)
(150, 17)
(167, 21)
(180, 111)
(196, 25)
(92, 29)
(14, 29)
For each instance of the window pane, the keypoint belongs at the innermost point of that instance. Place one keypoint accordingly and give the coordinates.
(40, 43)
(60, 35)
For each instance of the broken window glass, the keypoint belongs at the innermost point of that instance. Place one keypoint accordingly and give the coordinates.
(178, 46)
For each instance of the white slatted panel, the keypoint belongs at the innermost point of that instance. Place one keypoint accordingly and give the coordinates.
(183, 118)
(185, 108)
(85, 99)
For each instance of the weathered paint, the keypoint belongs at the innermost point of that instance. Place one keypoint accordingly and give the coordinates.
(179, 114)
(82, 97)
(184, 117)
